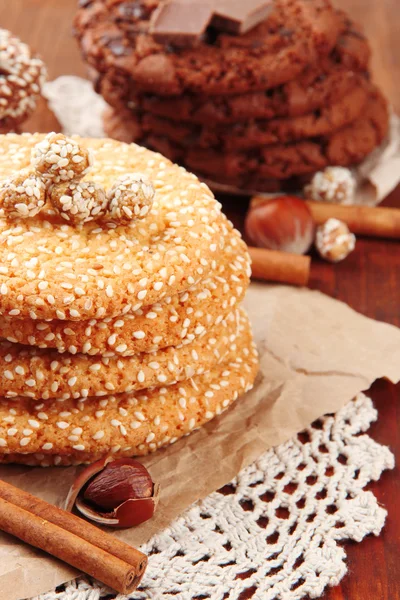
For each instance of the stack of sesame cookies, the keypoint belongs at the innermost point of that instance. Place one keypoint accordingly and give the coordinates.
(120, 290)
(259, 110)
(22, 75)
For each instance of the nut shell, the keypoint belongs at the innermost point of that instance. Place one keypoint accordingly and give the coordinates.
(128, 513)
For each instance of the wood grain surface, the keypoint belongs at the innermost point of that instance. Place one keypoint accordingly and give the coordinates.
(369, 280)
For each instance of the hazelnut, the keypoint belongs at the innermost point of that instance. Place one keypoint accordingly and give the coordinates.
(335, 184)
(131, 197)
(22, 196)
(118, 493)
(283, 223)
(334, 241)
(78, 202)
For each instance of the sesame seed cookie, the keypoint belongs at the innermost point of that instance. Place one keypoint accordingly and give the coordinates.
(52, 270)
(179, 318)
(294, 35)
(21, 78)
(78, 431)
(44, 374)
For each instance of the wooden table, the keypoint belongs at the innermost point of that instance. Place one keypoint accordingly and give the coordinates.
(369, 280)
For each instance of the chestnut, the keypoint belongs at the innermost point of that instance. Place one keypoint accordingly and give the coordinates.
(282, 223)
(118, 493)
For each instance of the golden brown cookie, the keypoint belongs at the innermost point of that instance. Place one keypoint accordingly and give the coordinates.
(77, 431)
(36, 373)
(52, 270)
(176, 319)
(21, 78)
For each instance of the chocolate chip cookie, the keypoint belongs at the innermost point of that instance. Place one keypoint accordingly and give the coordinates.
(347, 146)
(115, 39)
(250, 134)
(322, 84)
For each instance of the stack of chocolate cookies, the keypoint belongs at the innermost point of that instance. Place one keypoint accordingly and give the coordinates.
(256, 95)
(120, 291)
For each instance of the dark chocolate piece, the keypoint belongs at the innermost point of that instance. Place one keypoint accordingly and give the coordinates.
(181, 23)
(184, 22)
(239, 16)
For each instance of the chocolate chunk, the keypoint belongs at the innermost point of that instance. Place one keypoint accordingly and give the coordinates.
(239, 16)
(184, 22)
(181, 23)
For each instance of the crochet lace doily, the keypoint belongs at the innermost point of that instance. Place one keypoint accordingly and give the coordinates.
(274, 530)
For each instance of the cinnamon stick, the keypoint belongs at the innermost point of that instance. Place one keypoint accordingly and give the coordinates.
(70, 539)
(281, 267)
(370, 221)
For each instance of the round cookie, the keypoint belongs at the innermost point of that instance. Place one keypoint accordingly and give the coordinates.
(177, 319)
(294, 35)
(76, 431)
(45, 374)
(21, 78)
(322, 84)
(52, 270)
(346, 147)
(254, 133)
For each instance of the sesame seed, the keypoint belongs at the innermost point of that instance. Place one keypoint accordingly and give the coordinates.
(62, 425)
(139, 335)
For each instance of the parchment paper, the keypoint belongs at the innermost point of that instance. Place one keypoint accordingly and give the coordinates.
(79, 110)
(316, 355)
